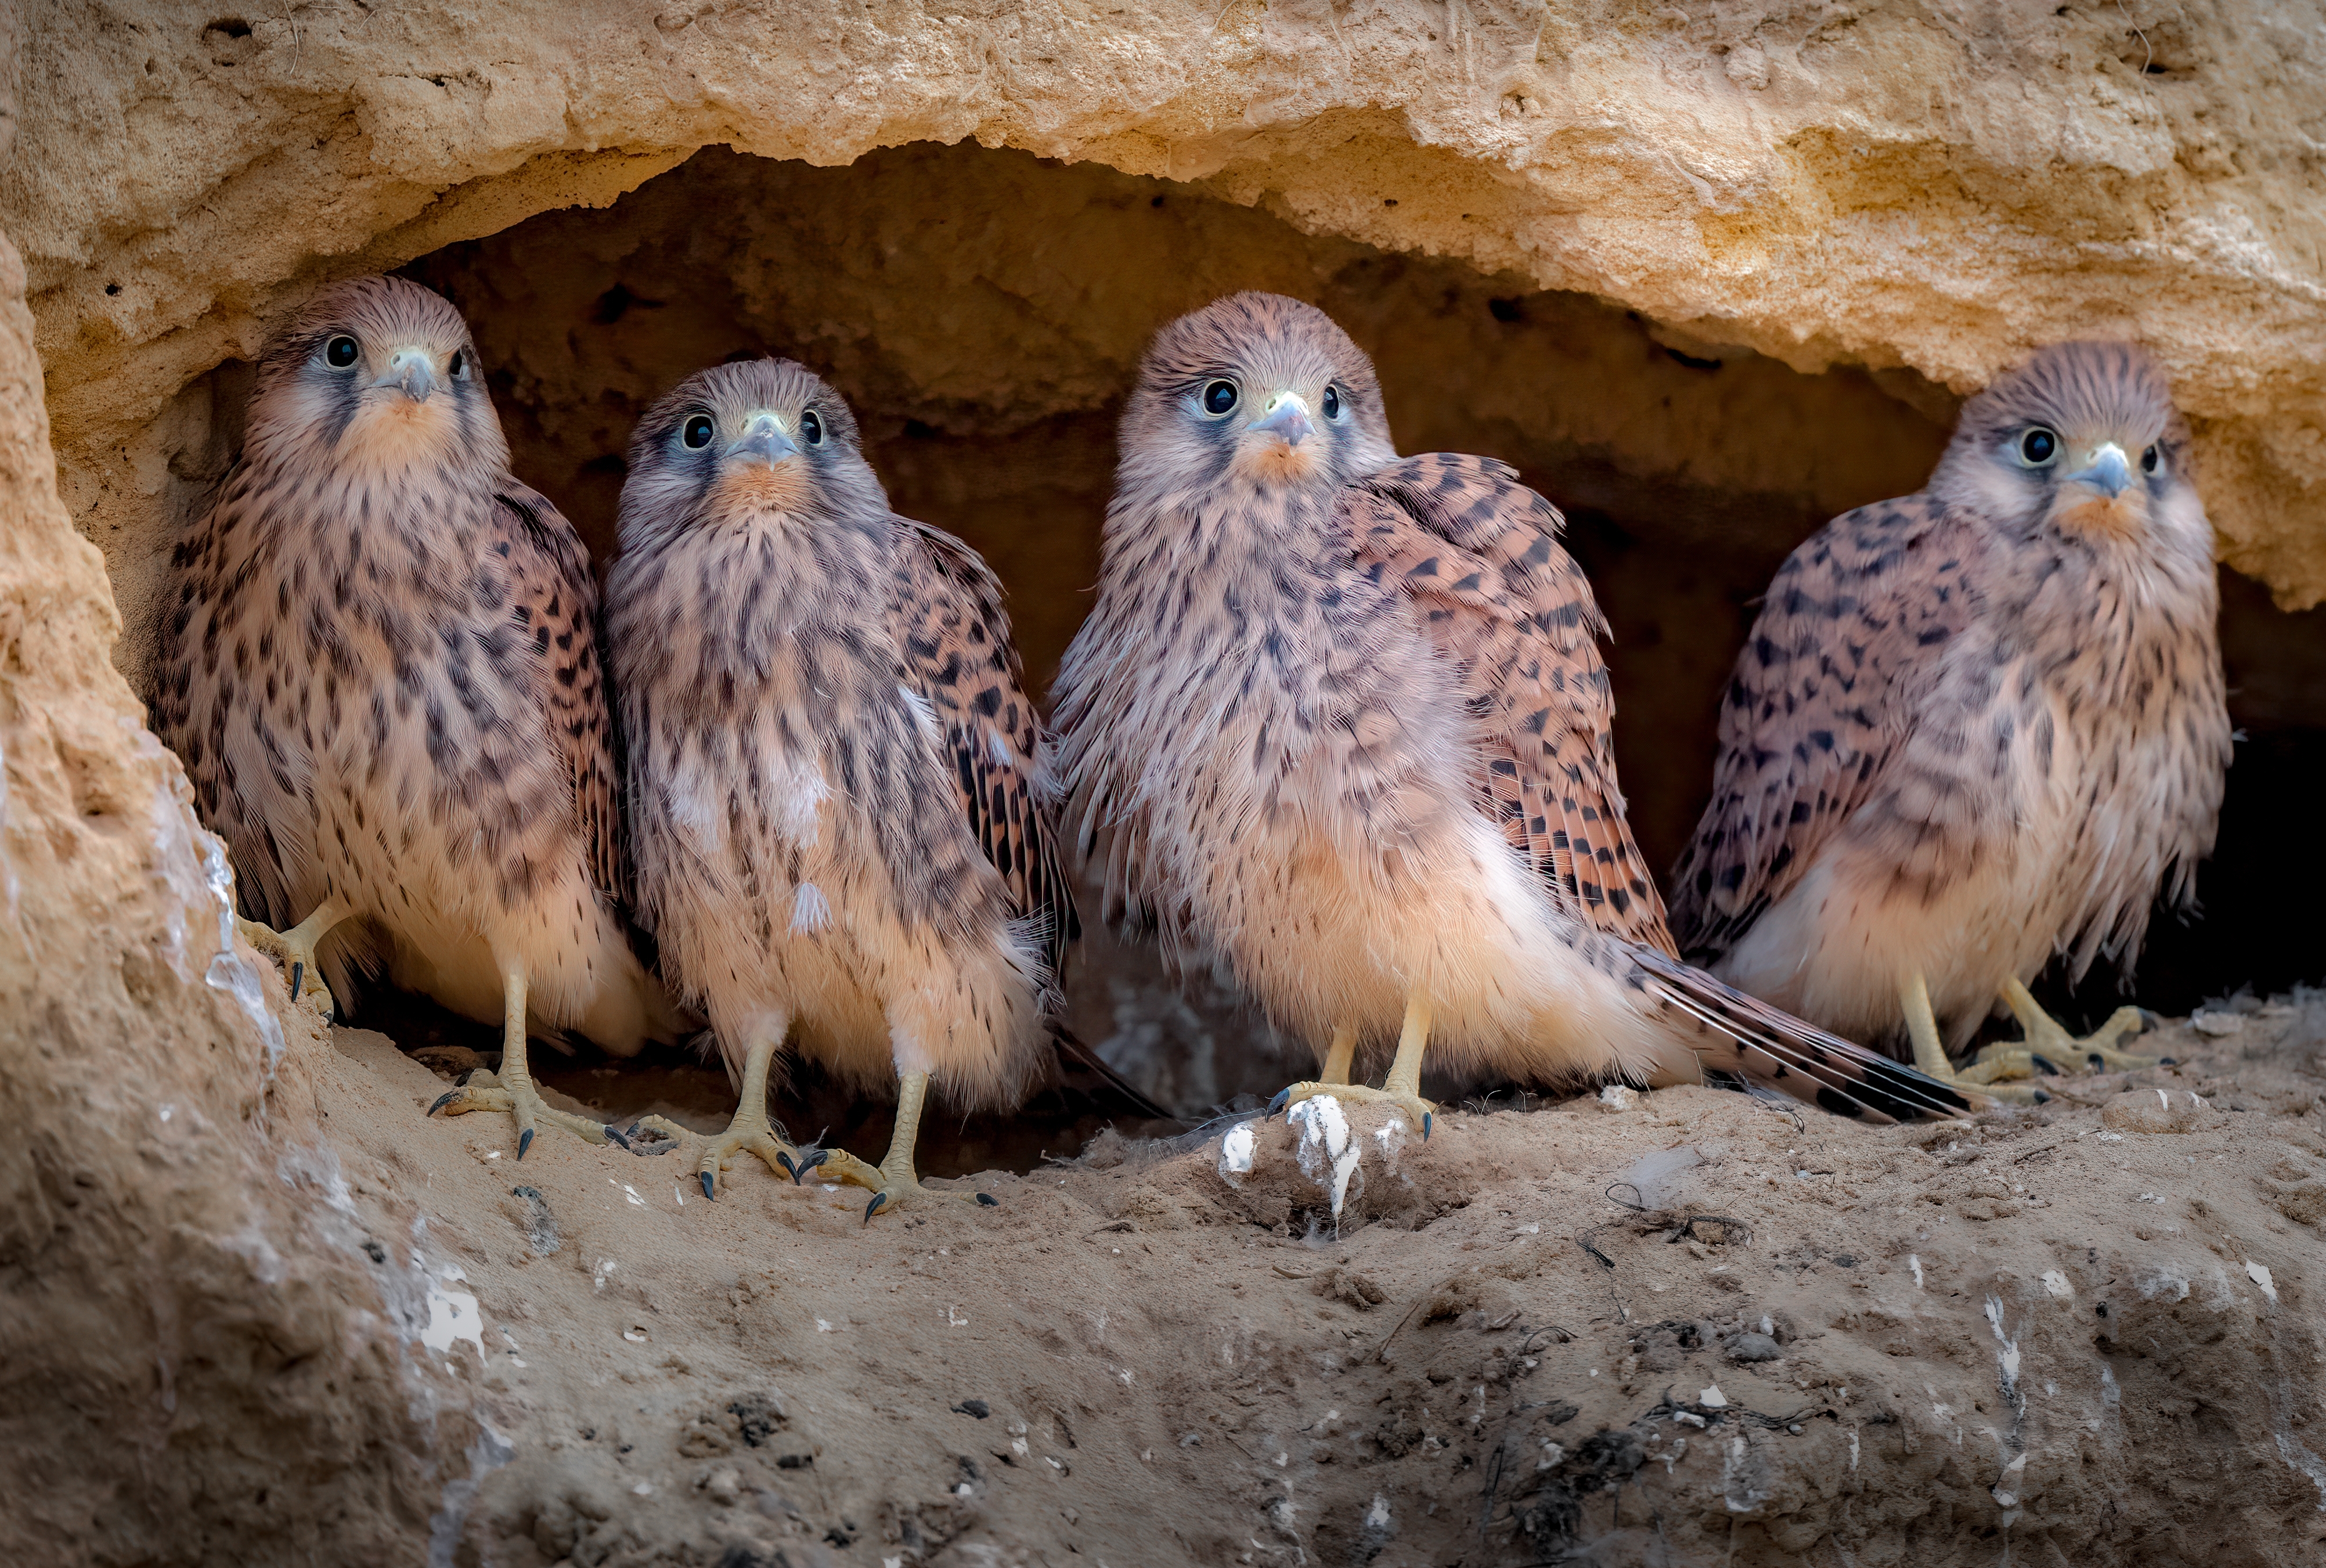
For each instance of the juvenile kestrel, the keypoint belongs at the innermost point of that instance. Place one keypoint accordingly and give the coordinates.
(1340, 720)
(1976, 729)
(381, 671)
(830, 752)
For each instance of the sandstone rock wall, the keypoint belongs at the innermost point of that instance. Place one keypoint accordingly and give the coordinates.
(1929, 186)
(187, 1326)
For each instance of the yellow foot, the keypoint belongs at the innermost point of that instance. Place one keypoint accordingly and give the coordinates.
(892, 1183)
(2047, 1047)
(295, 949)
(486, 1091)
(1420, 1111)
(746, 1134)
(1930, 1055)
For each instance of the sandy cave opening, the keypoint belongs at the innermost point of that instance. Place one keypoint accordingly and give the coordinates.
(983, 312)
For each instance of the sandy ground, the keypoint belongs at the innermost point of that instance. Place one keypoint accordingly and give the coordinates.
(1692, 1329)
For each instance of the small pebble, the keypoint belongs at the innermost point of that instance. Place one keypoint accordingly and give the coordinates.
(1756, 1348)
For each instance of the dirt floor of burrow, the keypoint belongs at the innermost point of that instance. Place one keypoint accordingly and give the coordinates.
(1694, 1328)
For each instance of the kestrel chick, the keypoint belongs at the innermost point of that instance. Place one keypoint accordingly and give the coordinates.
(1977, 728)
(1340, 720)
(830, 752)
(381, 672)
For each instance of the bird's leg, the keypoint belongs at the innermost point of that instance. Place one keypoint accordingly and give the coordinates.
(511, 1089)
(1930, 1052)
(893, 1181)
(2045, 1044)
(1401, 1088)
(295, 949)
(750, 1132)
(1343, 1051)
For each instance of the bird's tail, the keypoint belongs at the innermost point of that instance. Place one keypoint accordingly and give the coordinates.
(1080, 1070)
(1729, 1032)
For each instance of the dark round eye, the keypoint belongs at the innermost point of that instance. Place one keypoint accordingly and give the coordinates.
(2038, 446)
(698, 432)
(1219, 397)
(459, 365)
(812, 427)
(339, 353)
(1332, 402)
(2148, 460)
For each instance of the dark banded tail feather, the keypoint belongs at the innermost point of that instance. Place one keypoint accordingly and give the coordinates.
(1769, 1047)
(1081, 1068)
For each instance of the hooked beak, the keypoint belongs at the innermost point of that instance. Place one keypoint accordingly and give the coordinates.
(762, 441)
(1286, 415)
(2107, 473)
(411, 372)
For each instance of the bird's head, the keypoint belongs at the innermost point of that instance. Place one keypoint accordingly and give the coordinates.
(1256, 391)
(755, 439)
(2084, 439)
(376, 373)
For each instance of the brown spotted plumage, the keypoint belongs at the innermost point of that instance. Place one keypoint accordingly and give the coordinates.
(1478, 554)
(1338, 721)
(829, 754)
(381, 670)
(1978, 728)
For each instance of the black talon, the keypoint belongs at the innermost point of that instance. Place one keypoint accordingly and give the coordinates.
(987, 1201)
(2095, 1061)
(873, 1208)
(2166, 1061)
(298, 973)
(2041, 1099)
(709, 1195)
(1427, 1118)
(2041, 1061)
(446, 1098)
(809, 1160)
(614, 1135)
(523, 1142)
(1276, 1104)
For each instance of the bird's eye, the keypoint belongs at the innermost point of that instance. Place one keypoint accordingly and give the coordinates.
(1219, 397)
(2038, 447)
(459, 365)
(1332, 403)
(339, 353)
(698, 432)
(812, 427)
(2149, 460)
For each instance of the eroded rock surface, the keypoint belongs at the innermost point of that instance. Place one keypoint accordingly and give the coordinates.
(1893, 184)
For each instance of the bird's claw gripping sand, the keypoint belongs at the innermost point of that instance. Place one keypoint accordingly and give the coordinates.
(485, 1091)
(2045, 1043)
(1930, 1055)
(894, 1182)
(511, 1089)
(1420, 1112)
(750, 1132)
(295, 949)
(1401, 1088)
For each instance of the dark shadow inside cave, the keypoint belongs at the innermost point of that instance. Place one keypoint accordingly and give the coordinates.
(983, 312)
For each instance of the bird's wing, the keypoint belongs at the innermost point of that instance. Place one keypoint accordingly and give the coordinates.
(948, 617)
(1818, 705)
(1478, 554)
(554, 602)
